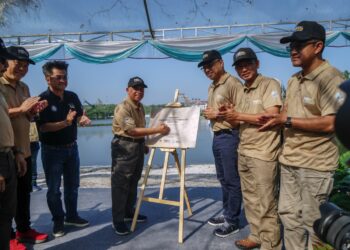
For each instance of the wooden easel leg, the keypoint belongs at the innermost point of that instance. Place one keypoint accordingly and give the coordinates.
(182, 194)
(139, 201)
(165, 169)
(177, 164)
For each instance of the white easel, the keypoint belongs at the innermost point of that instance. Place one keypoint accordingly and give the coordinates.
(181, 170)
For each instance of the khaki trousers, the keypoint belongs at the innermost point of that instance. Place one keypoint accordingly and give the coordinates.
(302, 191)
(259, 188)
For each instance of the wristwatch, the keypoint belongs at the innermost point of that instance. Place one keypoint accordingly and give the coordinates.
(288, 123)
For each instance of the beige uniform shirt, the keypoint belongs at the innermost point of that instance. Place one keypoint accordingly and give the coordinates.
(264, 93)
(314, 95)
(33, 133)
(128, 115)
(20, 124)
(6, 132)
(225, 91)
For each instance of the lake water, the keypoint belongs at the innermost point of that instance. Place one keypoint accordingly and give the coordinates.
(95, 146)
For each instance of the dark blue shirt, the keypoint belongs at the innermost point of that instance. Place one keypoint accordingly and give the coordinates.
(57, 111)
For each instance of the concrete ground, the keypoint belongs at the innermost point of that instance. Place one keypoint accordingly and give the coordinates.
(160, 232)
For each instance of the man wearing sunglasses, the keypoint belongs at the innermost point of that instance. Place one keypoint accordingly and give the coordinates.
(309, 154)
(257, 152)
(22, 108)
(57, 126)
(222, 91)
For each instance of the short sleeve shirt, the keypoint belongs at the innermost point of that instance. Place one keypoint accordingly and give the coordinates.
(57, 111)
(314, 95)
(128, 115)
(264, 93)
(7, 136)
(225, 91)
(15, 96)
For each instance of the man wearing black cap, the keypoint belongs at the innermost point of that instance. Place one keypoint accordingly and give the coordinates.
(8, 154)
(309, 154)
(257, 152)
(22, 108)
(128, 148)
(57, 126)
(222, 91)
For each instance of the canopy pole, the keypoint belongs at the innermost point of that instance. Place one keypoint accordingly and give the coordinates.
(148, 19)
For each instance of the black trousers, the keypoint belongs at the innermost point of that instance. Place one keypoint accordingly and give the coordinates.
(8, 198)
(24, 188)
(127, 164)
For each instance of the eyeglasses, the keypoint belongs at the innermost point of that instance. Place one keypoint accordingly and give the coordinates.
(246, 64)
(20, 63)
(209, 65)
(59, 78)
(299, 46)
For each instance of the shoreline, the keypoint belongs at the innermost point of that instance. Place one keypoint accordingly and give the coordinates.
(199, 175)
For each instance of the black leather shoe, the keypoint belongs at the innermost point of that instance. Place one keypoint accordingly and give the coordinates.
(140, 218)
(121, 228)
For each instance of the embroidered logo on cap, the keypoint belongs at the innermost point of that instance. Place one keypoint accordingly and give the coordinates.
(22, 52)
(53, 108)
(299, 28)
(137, 80)
(241, 53)
(205, 56)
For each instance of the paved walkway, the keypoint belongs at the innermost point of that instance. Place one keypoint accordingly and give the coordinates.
(160, 232)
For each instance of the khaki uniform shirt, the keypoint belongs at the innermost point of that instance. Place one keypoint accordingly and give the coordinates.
(15, 96)
(33, 132)
(128, 115)
(264, 93)
(314, 95)
(6, 132)
(225, 91)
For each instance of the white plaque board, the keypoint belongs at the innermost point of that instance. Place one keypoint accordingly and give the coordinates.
(183, 124)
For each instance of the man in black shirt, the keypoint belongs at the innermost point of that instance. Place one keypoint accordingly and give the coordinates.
(57, 126)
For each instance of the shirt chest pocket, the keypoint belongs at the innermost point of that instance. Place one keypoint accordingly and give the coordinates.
(254, 106)
(310, 105)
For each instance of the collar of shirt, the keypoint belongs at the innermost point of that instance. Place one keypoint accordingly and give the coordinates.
(255, 84)
(221, 81)
(133, 104)
(312, 75)
(7, 83)
(55, 97)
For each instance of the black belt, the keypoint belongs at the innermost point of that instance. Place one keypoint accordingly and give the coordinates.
(5, 150)
(69, 145)
(223, 131)
(6, 154)
(124, 138)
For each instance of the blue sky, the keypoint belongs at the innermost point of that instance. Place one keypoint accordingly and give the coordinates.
(108, 81)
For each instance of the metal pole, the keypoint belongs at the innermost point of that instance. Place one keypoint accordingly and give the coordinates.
(148, 19)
